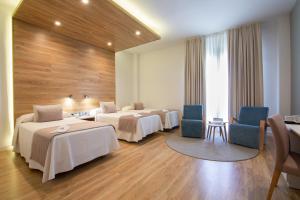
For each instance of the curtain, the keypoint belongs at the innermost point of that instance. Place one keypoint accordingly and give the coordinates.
(245, 68)
(194, 72)
(216, 68)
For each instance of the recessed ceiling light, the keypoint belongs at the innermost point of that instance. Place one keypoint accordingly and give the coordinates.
(109, 44)
(85, 1)
(138, 32)
(57, 23)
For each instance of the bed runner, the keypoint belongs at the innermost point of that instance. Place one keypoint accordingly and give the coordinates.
(43, 137)
(128, 123)
(161, 113)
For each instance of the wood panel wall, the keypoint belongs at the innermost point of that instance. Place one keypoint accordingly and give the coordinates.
(49, 67)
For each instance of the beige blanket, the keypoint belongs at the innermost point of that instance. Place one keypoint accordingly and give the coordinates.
(43, 137)
(161, 113)
(128, 123)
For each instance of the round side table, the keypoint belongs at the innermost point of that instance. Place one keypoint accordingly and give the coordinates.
(212, 126)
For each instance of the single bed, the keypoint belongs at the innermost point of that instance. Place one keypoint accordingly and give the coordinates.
(145, 125)
(67, 150)
(171, 117)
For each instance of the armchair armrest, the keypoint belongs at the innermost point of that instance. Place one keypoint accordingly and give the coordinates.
(262, 126)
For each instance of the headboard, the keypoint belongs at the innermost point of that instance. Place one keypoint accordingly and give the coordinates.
(49, 67)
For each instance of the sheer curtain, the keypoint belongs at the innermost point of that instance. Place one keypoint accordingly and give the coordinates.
(216, 69)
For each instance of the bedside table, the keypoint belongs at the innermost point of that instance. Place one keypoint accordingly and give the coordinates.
(87, 118)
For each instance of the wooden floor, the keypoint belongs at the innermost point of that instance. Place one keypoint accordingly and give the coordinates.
(148, 170)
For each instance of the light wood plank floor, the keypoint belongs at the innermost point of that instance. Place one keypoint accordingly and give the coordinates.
(148, 170)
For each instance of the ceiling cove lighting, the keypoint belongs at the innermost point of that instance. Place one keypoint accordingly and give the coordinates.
(85, 1)
(57, 23)
(109, 44)
(137, 33)
(135, 11)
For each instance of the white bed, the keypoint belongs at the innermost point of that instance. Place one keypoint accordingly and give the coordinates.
(172, 117)
(145, 125)
(66, 150)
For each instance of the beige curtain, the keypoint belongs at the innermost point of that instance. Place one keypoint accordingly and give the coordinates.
(245, 68)
(194, 71)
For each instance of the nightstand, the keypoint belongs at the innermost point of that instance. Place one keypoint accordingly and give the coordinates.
(87, 118)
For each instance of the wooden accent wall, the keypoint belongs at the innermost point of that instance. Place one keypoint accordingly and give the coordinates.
(48, 67)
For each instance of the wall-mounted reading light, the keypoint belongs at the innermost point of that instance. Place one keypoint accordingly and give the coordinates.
(70, 96)
(109, 44)
(85, 96)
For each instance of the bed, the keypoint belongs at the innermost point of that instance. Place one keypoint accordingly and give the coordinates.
(145, 125)
(171, 117)
(67, 150)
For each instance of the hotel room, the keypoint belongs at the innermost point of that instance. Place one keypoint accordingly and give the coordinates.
(148, 99)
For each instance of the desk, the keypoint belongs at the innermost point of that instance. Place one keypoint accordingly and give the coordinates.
(294, 181)
(295, 128)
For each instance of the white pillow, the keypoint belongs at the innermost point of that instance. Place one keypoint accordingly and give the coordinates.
(127, 108)
(25, 118)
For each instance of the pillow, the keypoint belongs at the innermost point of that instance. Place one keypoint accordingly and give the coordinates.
(138, 106)
(108, 107)
(25, 118)
(127, 108)
(47, 113)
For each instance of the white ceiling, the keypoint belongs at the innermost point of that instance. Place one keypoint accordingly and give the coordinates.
(177, 19)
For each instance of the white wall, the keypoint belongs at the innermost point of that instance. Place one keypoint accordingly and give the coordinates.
(6, 98)
(124, 65)
(161, 77)
(295, 22)
(277, 64)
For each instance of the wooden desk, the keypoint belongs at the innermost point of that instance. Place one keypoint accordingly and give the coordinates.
(295, 128)
(294, 181)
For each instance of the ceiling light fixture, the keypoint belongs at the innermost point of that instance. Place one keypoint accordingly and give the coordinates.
(109, 44)
(138, 32)
(57, 23)
(85, 1)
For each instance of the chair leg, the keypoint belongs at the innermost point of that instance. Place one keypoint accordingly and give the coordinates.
(275, 178)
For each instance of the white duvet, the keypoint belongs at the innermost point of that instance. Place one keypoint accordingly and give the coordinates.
(68, 150)
(145, 125)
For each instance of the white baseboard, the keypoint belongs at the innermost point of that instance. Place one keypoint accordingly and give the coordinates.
(7, 148)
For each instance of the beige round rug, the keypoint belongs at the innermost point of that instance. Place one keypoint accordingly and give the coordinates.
(205, 149)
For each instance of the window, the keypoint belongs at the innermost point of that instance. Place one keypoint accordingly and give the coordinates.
(216, 69)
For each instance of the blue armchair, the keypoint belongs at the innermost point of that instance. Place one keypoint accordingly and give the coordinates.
(193, 123)
(249, 130)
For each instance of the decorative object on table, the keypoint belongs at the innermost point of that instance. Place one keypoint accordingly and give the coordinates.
(193, 123)
(203, 149)
(219, 124)
(286, 161)
(249, 130)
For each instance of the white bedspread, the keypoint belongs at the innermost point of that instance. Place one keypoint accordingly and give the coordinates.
(68, 150)
(145, 125)
(172, 117)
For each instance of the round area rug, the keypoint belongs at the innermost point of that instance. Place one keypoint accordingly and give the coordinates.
(206, 149)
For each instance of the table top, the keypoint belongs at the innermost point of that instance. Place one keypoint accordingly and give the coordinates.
(295, 128)
(216, 123)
